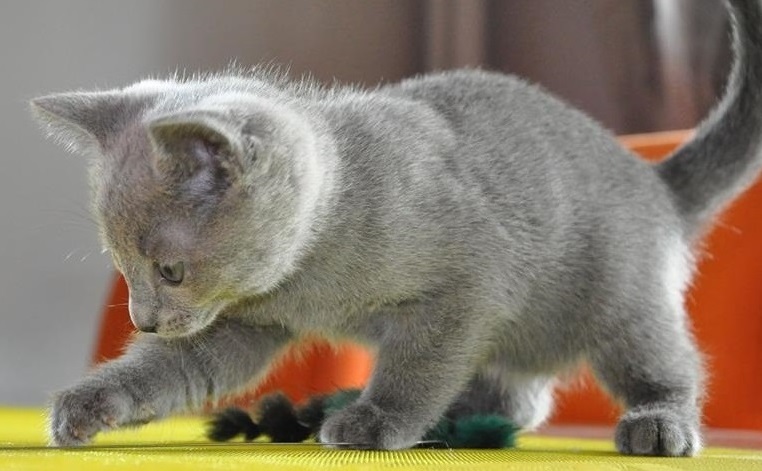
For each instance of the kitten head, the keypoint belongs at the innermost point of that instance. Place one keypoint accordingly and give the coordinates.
(204, 195)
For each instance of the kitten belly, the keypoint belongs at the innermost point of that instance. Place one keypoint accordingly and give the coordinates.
(535, 351)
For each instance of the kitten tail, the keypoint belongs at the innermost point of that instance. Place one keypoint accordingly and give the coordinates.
(726, 155)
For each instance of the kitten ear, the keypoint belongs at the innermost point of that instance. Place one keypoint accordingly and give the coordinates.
(83, 121)
(200, 145)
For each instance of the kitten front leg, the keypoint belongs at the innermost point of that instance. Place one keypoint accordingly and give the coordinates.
(424, 359)
(157, 376)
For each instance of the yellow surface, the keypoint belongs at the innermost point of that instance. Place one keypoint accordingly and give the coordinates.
(181, 447)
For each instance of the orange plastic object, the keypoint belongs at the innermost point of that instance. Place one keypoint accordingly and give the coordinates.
(725, 304)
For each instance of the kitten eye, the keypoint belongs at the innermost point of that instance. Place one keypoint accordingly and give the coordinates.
(172, 274)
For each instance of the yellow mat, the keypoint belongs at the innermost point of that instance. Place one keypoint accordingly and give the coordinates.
(179, 444)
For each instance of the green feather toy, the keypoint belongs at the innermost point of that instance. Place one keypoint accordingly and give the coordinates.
(283, 422)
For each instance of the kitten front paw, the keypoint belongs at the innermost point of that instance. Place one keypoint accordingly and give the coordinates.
(366, 426)
(656, 432)
(81, 412)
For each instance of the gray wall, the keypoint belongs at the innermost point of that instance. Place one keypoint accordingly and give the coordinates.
(52, 275)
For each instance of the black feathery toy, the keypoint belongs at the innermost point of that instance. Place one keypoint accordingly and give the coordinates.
(283, 422)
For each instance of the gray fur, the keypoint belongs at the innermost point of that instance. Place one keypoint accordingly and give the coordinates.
(480, 236)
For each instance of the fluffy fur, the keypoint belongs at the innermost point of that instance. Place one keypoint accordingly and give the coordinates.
(479, 235)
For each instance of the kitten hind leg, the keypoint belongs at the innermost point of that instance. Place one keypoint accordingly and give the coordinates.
(526, 400)
(652, 365)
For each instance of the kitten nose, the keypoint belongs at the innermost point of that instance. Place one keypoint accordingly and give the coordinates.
(142, 321)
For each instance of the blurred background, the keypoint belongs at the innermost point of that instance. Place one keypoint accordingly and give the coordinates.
(635, 65)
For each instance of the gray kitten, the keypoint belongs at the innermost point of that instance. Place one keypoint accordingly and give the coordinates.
(478, 235)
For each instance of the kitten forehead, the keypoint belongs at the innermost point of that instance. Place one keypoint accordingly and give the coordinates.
(139, 216)
(134, 199)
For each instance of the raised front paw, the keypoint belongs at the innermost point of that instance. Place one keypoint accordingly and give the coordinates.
(79, 413)
(366, 426)
(657, 431)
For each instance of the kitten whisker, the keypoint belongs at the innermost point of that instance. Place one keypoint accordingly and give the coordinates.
(70, 254)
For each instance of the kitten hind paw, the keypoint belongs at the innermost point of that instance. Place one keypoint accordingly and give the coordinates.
(657, 432)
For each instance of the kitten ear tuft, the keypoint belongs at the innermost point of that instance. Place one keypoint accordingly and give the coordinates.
(192, 142)
(82, 121)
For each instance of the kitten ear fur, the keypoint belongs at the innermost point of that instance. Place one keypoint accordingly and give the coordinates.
(202, 145)
(83, 122)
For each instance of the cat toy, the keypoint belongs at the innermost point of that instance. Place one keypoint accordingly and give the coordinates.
(282, 421)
